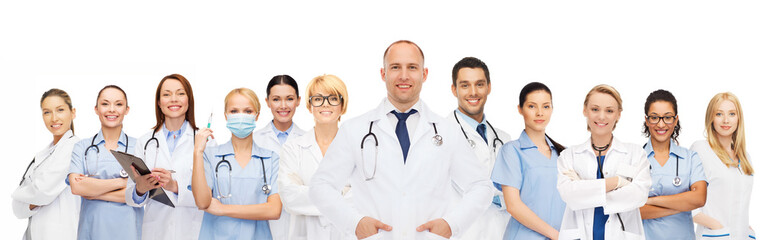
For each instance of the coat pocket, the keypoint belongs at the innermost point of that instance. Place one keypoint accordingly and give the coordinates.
(718, 234)
(433, 236)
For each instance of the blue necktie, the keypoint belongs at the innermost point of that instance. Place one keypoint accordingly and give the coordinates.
(401, 131)
(482, 130)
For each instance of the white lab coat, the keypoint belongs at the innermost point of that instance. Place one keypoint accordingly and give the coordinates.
(44, 185)
(268, 139)
(727, 197)
(402, 195)
(161, 221)
(493, 223)
(299, 159)
(583, 196)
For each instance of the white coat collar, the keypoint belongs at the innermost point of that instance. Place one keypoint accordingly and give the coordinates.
(307, 140)
(268, 130)
(188, 134)
(616, 145)
(426, 115)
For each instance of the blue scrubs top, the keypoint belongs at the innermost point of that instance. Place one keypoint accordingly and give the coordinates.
(678, 226)
(102, 219)
(246, 189)
(520, 165)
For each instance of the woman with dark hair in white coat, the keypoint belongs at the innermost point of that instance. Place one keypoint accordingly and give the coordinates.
(168, 147)
(282, 99)
(42, 196)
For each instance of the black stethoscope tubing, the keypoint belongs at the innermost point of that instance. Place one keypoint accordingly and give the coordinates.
(676, 181)
(494, 140)
(437, 140)
(23, 176)
(265, 188)
(97, 150)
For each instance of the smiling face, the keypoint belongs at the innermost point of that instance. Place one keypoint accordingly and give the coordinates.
(471, 89)
(282, 101)
(602, 113)
(404, 75)
(173, 100)
(661, 131)
(326, 114)
(57, 115)
(537, 110)
(111, 108)
(725, 119)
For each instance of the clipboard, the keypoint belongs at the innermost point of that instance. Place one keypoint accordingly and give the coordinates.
(127, 160)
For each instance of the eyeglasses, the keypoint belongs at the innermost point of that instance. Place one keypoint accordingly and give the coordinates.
(656, 119)
(319, 100)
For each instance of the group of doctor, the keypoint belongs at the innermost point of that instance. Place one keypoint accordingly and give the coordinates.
(466, 178)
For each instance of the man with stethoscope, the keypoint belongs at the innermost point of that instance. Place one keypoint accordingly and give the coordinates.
(400, 159)
(471, 85)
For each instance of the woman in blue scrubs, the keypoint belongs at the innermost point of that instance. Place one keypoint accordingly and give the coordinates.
(95, 174)
(526, 171)
(234, 183)
(677, 175)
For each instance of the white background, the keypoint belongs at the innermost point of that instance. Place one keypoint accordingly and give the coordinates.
(693, 48)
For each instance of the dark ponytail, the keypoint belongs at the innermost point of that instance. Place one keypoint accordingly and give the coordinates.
(530, 88)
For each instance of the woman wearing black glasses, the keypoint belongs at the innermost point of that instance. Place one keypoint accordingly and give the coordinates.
(301, 156)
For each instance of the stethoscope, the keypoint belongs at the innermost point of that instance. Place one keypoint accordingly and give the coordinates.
(156, 140)
(265, 188)
(436, 140)
(600, 168)
(471, 142)
(23, 177)
(122, 173)
(676, 181)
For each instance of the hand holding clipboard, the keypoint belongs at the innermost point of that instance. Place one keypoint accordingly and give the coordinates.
(138, 171)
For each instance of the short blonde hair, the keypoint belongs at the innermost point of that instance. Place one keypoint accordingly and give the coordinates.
(247, 93)
(331, 84)
(739, 137)
(605, 89)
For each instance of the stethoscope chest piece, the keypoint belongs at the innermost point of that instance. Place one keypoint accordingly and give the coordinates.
(471, 143)
(123, 173)
(437, 140)
(677, 181)
(266, 188)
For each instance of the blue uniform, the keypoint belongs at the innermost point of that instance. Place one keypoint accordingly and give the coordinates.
(103, 219)
(678, 226)
(246, 189)
(521, 166)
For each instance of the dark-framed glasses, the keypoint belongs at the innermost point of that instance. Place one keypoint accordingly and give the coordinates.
(655, 119)
(319, 100)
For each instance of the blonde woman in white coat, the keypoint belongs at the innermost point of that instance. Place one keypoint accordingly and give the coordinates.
(42, 196)
(728, 169)
(168, 147)
(282, 99)
(603, 181)
(300, 156)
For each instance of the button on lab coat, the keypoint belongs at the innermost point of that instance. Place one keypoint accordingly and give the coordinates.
(268, 139)
(44, 186)
(583, 196)
(492, 224)
(402, 195)
(161, 221)
(299, 160)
